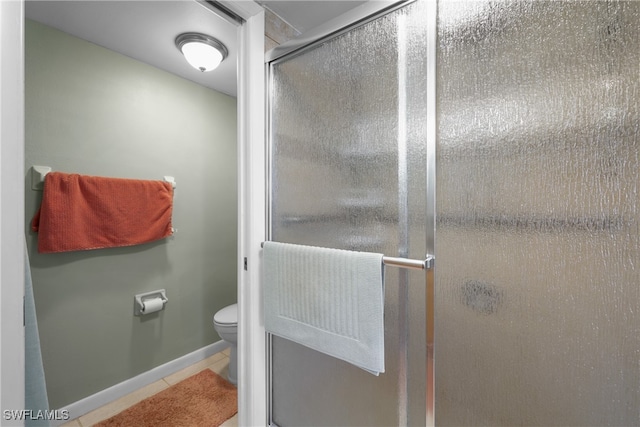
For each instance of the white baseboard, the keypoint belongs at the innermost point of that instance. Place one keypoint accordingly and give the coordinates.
(114, 392)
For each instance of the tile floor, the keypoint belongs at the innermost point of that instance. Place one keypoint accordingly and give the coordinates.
(218, 363)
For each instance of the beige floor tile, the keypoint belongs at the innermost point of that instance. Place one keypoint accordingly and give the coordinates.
(194, 369)
(72, 423)
(123, 403)
(231, 422)
(221, 367)
(226, 351)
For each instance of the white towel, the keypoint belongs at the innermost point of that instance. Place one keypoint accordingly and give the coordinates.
(330, 300)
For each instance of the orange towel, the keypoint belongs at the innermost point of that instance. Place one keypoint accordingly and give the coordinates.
(81, 212)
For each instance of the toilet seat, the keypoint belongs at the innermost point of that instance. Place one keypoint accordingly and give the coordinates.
(227, 315)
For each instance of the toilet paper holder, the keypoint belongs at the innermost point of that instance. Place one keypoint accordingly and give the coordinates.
(139, 300)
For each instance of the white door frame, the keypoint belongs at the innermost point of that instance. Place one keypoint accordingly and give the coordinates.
(11, 207)
(251, 208)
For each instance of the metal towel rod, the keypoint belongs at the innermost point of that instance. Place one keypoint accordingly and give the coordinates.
(413, 264)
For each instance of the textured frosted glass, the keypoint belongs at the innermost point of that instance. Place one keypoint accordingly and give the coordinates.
(537, 244)
(348, 172)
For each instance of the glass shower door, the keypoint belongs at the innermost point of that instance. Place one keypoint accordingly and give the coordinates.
(538, 239)
(348, 171)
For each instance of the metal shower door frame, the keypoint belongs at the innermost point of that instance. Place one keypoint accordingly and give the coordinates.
(350, 20)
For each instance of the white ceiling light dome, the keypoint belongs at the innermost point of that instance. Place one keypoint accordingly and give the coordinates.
(203, 52)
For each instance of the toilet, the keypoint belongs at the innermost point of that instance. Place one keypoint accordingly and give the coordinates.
(225, 323)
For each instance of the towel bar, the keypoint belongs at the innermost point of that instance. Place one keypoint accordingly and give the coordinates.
(413, 264)
(38, 173)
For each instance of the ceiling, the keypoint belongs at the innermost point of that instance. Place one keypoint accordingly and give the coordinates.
(146, 29)
(305, 15)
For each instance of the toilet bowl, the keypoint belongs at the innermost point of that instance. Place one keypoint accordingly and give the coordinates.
(225, 323)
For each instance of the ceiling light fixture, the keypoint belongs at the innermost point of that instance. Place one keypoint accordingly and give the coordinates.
(203, 52)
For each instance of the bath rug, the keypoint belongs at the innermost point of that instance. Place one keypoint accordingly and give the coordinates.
(202, 400)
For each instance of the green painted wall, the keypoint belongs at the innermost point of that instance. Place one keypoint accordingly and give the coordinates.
(92, 111)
